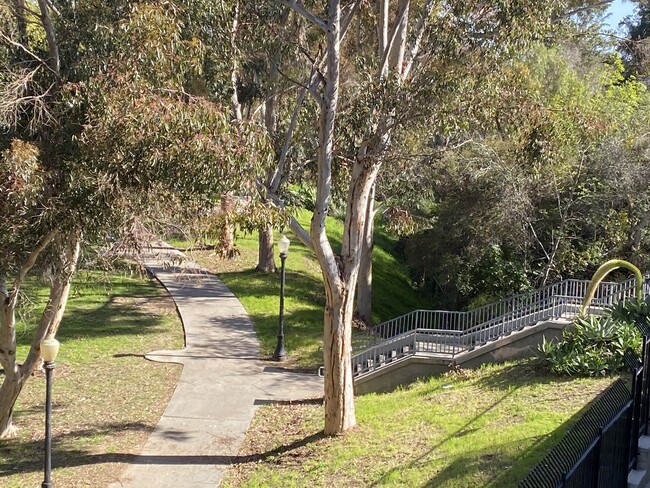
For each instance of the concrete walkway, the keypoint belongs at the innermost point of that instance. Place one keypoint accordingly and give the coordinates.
(222, 382)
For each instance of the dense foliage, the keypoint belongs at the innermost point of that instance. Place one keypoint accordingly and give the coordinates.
(557, 185)
(594, 346)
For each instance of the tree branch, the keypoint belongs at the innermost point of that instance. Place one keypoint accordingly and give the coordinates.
(581, 9)
(419, 33)
(31, 260)
(275, 180)
(53, 313)
(383, 69)
(53, 48)
(299, 8)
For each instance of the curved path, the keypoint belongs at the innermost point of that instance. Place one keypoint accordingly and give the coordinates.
(222, 382)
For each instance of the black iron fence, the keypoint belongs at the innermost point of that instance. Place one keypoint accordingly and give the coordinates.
(601, 448)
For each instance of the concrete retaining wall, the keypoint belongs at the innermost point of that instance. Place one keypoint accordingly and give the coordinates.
(519, 344)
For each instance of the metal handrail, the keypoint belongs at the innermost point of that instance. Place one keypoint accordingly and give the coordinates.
(450, 333)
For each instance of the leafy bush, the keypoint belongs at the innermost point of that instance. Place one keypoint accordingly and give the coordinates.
(593, 347)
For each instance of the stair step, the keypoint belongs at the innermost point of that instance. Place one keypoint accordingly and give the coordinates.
(637, 478)
(644, 452)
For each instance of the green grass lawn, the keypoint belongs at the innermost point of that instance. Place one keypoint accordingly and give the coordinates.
(393, 293)
(475, 428)
(106, 397)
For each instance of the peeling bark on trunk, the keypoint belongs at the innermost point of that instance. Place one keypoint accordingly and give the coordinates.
(364, 286)
(339, 385)
(265, 258)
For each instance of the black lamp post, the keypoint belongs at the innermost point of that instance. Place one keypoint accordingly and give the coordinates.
(49, 350)
(280, 353)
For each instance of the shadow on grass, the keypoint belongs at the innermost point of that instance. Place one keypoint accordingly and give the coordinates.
(521, 373)
(506, 464)
(23, 457)
(89, 314)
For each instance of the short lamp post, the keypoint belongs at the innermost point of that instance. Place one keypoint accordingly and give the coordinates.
(280, 353)
(49, 350)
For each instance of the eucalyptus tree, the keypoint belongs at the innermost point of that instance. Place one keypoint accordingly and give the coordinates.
(100, 125)
(420, 56)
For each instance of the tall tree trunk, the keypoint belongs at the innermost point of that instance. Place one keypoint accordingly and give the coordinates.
(227, 232)
(364, 286)
(398, 47)
(53, 48)
(235, 106)
(265, 258)
(11, 385)
(9, 392)
(339, 384)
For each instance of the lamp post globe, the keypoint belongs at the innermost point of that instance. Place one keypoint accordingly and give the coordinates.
(49, 351)
(280, 352)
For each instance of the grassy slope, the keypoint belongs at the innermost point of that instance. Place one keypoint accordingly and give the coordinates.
(470, 429)
(304, 295)
(482, 428)
(106, 396)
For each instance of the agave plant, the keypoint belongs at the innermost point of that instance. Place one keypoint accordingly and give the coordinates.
(594, 346)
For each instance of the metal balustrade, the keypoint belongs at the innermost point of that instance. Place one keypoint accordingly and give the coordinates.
(449, 333)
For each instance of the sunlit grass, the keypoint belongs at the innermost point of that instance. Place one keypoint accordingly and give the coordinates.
(259, 292)
(106, 396)
(480, 428)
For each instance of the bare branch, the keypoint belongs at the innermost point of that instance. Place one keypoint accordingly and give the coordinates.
(299, 8)
(22, 47)
(419, 33)
(21, 95)
(582, 9)
(31, 260)
(53, 48)
(275, 181)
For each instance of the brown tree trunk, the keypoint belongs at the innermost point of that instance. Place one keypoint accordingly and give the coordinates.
(227, 231)
(9, 392)
(364, 285)
(339, 385)
(265, 258)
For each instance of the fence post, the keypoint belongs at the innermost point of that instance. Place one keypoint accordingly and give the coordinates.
(596, 462)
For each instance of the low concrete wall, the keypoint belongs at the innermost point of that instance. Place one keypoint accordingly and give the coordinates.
(401, 372)
(519, 344)
(523, 343)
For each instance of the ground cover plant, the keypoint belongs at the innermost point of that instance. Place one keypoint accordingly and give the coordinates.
(393, 293)
(106, 397)
(593, 346)
(471, 428)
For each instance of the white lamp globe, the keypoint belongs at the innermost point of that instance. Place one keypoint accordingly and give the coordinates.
(49, 349)
(283, 245)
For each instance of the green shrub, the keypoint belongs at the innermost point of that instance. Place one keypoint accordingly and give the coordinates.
(631, 310)
(593, 347)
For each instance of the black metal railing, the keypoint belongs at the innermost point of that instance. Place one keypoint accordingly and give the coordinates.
(601, 448)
